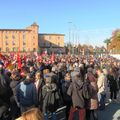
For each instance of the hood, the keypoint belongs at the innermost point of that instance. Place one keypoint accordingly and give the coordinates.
(27, 81)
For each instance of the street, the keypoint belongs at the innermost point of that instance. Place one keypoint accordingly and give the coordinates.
(112, 112)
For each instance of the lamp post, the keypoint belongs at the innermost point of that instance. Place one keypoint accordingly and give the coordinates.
(69, 37)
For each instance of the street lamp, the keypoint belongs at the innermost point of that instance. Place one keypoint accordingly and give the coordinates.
(69, 36)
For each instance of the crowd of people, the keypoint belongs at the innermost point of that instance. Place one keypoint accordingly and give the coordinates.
(39, 85)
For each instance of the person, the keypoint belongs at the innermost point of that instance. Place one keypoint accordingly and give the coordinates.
(26, 94)
(101, 88)
(66, 98)
(32, 114)
(112, 78)
(77, 92)
(92, 103)
(15, 111)
(5, 92)
(39, 83)
(51, 98)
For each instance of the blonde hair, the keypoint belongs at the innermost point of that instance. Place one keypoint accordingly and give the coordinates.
(46, 71)
(32, 114)
(38, 75)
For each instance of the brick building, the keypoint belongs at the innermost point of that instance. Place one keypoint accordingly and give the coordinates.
(13, 40)
(51, 42)
(29, 40)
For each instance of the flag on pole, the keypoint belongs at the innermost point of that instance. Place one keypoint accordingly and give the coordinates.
(19, 61)
(52, 58)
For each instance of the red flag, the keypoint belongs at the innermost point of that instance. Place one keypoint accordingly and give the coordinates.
(40, 58)
(44, 53)
(19, 61)
(2, 57)
(25, 58)
(52, 58)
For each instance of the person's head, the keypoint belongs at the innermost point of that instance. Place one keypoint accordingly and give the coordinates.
(90, 70)
(28, 76)
(15, 75)
(48, 80)
(46, 71)
(32, 114)
(99, 70)
(1, 68)
(67, 77)
(38, 75)
(31, 68)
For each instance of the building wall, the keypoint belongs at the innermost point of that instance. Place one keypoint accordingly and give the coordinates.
(28, 39)
(19, 39)
(51, 40)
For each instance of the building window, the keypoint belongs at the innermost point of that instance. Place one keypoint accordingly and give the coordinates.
(33, 37)
(7, 49)
(24, 43)
(58, 38)
(14, 49)
(44, 44)
(28, 49)
(24, 49)
(58, 44)
(34, 49)
(13, 42)
(6, 42)
(13, 36)
(23, 36)
(33, 43)
(6, 37)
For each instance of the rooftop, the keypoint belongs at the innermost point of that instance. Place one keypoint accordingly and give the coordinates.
(14, 30)
(51, 34)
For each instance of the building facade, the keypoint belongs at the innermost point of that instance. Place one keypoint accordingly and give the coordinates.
(51, 42)
(29, 40)
(23, 40)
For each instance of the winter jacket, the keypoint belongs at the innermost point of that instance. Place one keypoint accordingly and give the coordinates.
(93, 101)
(112, 83)
(65, 86)
(76, 92)
(101, 83)
(41, 83)
(5, 90)
(13, 86)
(50, 98)
(27, 94)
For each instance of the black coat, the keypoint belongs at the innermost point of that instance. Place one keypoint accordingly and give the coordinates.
(13, 86)
(5, 90)
(40, 97)
(65, 86)
(112, 83)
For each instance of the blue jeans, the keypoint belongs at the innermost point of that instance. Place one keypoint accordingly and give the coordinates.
(53, 116)
(101, 99)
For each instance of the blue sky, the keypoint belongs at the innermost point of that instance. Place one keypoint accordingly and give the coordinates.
(92, 21)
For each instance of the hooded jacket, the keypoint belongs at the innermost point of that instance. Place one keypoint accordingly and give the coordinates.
(75, 91)
(27, 94)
